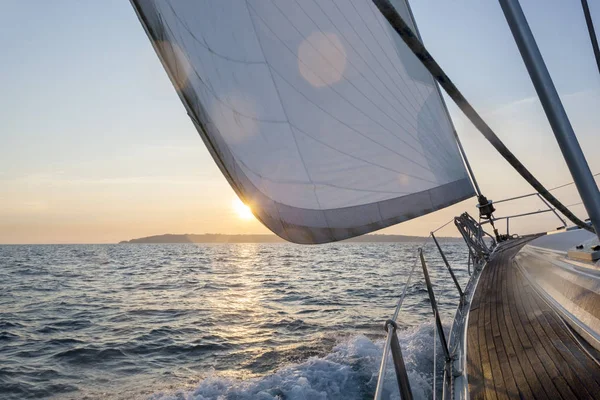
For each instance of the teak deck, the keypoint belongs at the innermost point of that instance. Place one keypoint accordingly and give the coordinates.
(519, 347)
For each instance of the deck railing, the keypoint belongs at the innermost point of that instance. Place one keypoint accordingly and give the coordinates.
(479, 250)
(480, 245)
(548, 208)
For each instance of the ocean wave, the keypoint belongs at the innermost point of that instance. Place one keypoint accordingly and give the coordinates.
(348, 372)
(161, 318)
(87, 355)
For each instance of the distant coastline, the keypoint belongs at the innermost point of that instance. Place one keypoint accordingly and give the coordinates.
(220, 238)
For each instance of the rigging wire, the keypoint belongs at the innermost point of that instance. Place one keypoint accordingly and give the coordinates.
(406, 33)
(535, 193)
(568, 184)
(443, 226)
(590, 25)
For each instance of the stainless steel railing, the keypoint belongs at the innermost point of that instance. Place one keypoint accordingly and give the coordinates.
(448, 267)
(391, 328)
(548, 208)
(470, 229)
(480, 245)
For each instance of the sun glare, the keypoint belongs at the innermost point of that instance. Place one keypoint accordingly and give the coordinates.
(242, 210)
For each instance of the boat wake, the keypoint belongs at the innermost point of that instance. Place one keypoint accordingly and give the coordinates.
(348, 372)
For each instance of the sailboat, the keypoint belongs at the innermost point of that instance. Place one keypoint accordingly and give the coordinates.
(327, 119)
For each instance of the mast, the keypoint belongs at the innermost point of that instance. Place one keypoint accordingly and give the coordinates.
(590, 25)
(557, 116)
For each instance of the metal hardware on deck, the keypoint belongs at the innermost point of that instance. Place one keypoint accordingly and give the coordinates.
(448, 266)
(471, 254)
(393, 343)
(469, 263)
(485, 207)
(473, 235)
(384, 358)
(486, 210)
(399, 366)
(579, 253)
(557, 116)
(438, 321)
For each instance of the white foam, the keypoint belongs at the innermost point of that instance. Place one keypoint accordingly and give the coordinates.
(348, 372)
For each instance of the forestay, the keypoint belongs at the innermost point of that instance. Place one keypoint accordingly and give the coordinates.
(316, 112)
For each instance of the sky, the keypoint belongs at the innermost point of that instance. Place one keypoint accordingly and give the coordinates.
(95, 146)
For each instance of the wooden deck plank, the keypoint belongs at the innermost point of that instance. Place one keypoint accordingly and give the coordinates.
(495, 352)
(583, 361)
(489, 388)
(487, 382)
(538, 339)
(472, 338)
(513, 348)
(572, 377)
(541, 382)
(502, 342)
(517, 346)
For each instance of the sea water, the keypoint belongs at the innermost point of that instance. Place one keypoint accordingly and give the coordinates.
(222, 321)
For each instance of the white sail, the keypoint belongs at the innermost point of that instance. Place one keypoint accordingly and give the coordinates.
(317, 113)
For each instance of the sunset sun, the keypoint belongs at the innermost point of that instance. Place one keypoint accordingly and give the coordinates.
(242, 210)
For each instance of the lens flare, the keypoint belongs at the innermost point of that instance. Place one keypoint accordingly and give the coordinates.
(322, 59)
